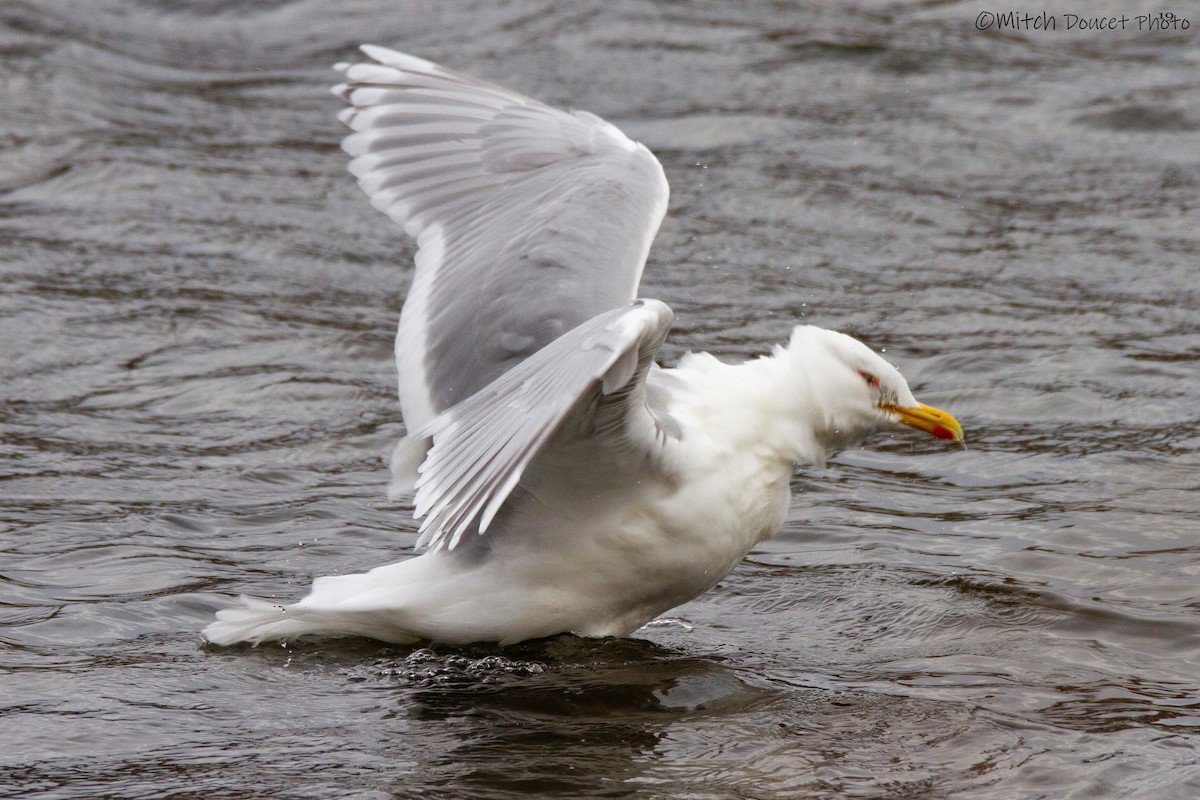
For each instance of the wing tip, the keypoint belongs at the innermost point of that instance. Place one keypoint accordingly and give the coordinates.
(403, 61)
(386, 57)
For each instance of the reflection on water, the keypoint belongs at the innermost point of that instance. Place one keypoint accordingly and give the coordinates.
(582, 717)
(197, 395)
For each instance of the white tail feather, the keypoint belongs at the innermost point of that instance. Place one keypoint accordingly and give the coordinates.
(255, 621)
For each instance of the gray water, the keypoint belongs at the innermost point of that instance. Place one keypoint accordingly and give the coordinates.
(197, 395)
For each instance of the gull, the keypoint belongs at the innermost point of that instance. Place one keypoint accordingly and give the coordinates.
(565, 482)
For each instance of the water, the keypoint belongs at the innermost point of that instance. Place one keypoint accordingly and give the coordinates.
(197, 395)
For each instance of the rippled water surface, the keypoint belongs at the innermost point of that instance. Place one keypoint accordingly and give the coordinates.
(197, 392)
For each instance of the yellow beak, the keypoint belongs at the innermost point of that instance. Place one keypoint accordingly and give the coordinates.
(929, 419)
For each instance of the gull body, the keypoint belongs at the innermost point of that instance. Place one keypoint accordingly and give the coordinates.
(566, 482)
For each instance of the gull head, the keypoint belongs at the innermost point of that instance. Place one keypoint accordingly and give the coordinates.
(847, 391)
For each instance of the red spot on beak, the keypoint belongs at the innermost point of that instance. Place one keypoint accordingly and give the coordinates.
(942, 433)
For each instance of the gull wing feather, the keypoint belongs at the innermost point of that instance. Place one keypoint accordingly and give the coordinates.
(529, 221)
(590, 381)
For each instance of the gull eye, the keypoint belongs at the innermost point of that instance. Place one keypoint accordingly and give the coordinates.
(871, 380)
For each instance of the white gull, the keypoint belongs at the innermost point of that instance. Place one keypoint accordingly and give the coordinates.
(566, 482)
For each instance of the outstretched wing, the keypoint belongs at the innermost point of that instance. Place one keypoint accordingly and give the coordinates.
(529, 221)
(591, 379)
